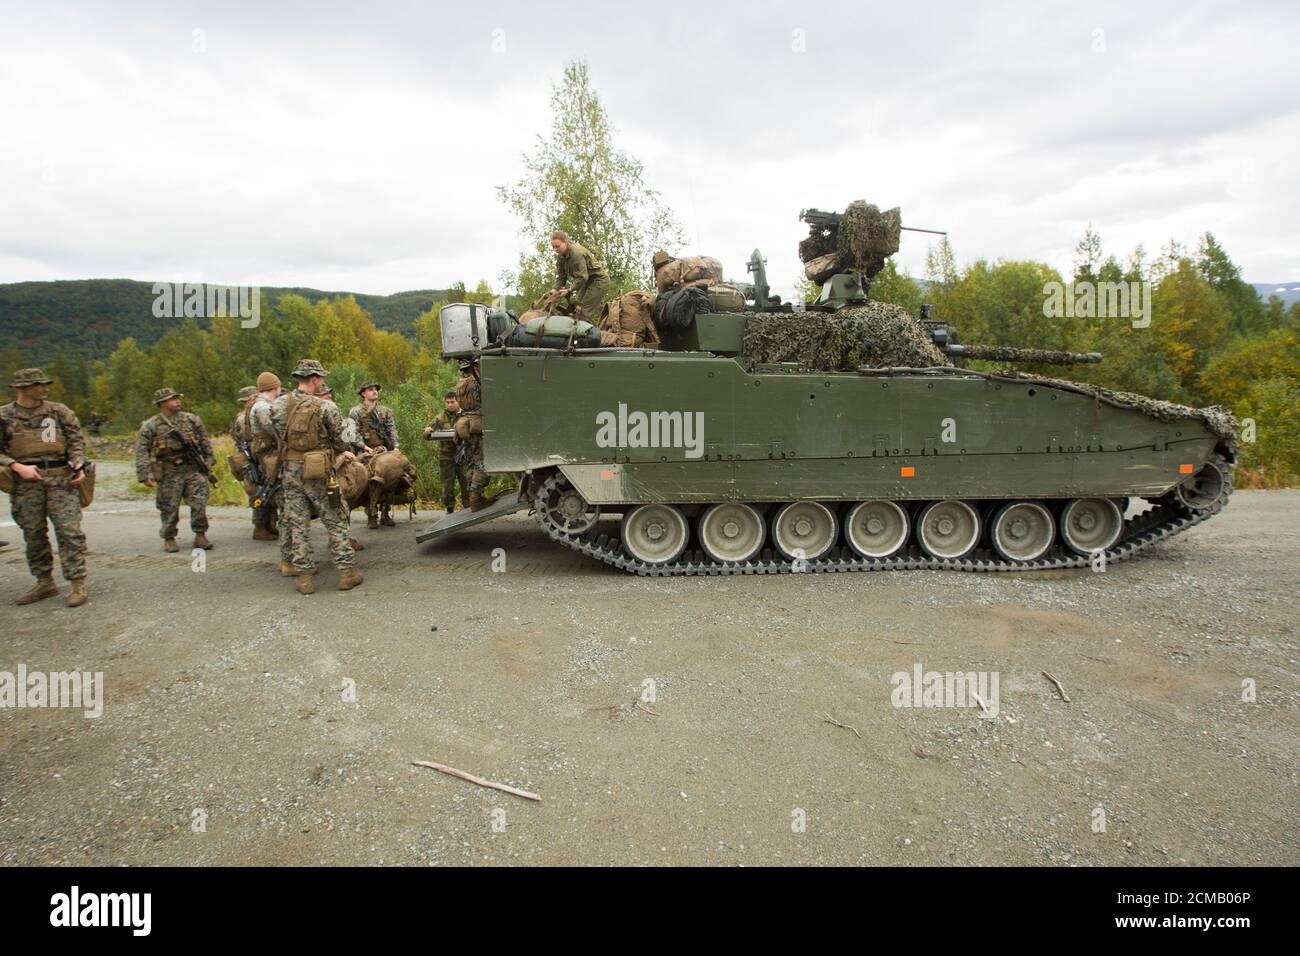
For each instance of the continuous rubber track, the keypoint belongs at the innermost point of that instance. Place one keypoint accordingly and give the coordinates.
(1168, 518)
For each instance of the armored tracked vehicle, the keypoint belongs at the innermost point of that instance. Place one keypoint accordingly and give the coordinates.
(734, 448)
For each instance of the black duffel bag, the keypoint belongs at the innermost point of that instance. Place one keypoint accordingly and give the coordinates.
(677, 310)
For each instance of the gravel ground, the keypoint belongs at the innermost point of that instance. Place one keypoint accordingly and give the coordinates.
(246, 724)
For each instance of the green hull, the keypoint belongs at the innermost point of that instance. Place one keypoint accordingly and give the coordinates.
(779, 435)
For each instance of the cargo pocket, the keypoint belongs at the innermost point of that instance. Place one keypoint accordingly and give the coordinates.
(315, 465)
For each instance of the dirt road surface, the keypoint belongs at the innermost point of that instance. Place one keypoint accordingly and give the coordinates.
(679, 721)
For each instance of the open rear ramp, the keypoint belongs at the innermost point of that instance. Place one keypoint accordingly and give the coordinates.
(449, 524)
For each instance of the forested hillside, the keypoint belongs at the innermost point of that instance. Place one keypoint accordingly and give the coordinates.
(88, 317)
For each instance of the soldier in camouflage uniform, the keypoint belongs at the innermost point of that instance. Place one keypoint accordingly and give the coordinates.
(307, 429)
(580, 276)
(241, 432)
(44, 454)
(265, 444)
(469, 429)
(377, 432)
(449, 474)
(162, 463)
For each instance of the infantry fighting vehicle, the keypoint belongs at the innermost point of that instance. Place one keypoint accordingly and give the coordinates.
(715, 459)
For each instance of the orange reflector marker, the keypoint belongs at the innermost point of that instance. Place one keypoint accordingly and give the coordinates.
(907, 472)
(606, 475)
(1184, 469)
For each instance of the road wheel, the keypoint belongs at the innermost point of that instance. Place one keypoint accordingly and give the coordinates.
(804, 530)
(655, 534)
(876, 529)
(1023, 531)
(948, 529)
(1091, 524)
(731, 532)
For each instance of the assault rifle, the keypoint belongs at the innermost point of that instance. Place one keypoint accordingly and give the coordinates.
(267, 485)
(193, 453)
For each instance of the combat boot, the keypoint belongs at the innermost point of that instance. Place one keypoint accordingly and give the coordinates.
(372, 521)
(476, 502)
(201, 541)
(387, 519)
(170, 545)
(261, 533)
(307, 584)
(287, 570)
(77, 596)
(356, 545)
(44, 587)
(349, 578)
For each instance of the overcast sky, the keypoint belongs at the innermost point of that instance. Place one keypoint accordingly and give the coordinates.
(358, 146)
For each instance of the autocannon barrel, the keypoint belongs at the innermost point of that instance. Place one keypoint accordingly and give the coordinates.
(994, 353)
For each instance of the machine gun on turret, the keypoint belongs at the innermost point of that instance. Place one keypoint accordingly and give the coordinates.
(844, 251)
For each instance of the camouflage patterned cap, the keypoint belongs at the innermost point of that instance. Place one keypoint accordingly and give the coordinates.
(662, 258)
(245, 393)
(162, 394)
(374, 385)
(309, 367)
(29, 376)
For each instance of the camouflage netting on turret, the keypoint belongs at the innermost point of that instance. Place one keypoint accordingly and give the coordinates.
(860, 241)
(872, 335)
(1216, 418)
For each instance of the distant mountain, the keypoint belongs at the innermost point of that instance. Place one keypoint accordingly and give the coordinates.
(1288, 292)
(90, 316)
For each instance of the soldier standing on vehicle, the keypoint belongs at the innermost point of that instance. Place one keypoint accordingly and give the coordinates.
(377, 432)
(469, 429)
(43, 457)
(580, 276)
(448, 473)
(174, 456)
(241, 431)
(309, 431)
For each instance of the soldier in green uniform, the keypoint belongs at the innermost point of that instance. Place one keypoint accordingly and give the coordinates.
(448, 473)
(469, 431)
(309, 431)
(376, 432)
(162, 462)
(241, 431)
(43, 456)
(580, 276)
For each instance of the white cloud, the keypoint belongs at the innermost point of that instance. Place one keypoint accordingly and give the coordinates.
(360, 149)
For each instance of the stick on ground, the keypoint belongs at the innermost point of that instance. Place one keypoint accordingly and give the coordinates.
(831, 720)
(452, 771)
(1059, 689)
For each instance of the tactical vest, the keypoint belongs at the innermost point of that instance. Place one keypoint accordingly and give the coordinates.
(368, 433)
(302, 429)
(27, 437)
(166, 446)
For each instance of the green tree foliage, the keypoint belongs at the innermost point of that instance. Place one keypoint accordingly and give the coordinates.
(576, 180)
